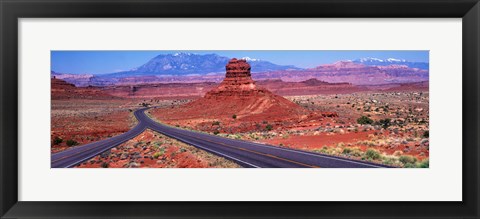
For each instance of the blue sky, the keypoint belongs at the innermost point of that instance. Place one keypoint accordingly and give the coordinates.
(101, 62)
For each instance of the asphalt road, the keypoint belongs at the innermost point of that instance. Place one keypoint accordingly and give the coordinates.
(79, 154)
(246, 154)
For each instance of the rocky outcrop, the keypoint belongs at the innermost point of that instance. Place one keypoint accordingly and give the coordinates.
(239, 105)
(238, 73)
(61, 89)
(351, 72)
(237, 82)
(239, 95)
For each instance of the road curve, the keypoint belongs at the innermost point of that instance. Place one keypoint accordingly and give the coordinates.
(245, 153)
(76, 155)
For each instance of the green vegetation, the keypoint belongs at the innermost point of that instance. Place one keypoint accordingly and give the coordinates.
(158, 154)
(372, 154)
(269, 127)
(356, 152)
(57, 140)
(71, 142)
(385, 123)
(234, 116)
(412, 162)
(157, 144)
(216, 123)
(216, 132)
(364, 120)
(347, 151)
(407, 160)
(424, 163)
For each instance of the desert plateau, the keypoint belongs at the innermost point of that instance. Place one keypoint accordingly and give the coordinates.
(188, 110)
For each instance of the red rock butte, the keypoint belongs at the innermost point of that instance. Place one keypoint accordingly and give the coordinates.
(238, 73)
(238, 94)
(238, 80)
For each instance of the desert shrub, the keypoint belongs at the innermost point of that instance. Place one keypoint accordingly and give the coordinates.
(104, 165)
(372, 154)
(385, 123)
(356, 152)
(347, 151)
(409, 165)
(71, 142)
(388, 161)
(336, 151)
(57, 140)
(269, 127)
(397, 153)
(216, 123)
(364, 120)
(426, 134)
(157, 154)
(424, 163)
(324, 149)
(234, 116)
(216, 132)
(407, 159)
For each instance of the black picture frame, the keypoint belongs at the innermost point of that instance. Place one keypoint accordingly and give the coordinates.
(12, 10)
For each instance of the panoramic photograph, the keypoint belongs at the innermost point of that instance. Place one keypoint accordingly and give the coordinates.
(240, 109)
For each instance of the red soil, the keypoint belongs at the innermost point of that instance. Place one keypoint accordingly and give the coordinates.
(238, 102)
(349, 139)
(308, 87)
(320, 140)
(60, 89)
(153, 150)
(89, 120)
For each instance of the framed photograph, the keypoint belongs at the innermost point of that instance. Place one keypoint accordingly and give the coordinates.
(255, 109)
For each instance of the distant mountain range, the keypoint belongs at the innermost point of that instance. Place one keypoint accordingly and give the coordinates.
(391, 61)
(189, 67)
(192, 64)
(351, 72)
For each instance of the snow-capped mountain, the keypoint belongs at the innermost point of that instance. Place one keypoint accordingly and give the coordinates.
(193, 64)
(248, 59)
(193, 68)
(392, 61)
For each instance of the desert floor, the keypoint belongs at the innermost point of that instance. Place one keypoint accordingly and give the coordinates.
(394, 130)
(395, 133)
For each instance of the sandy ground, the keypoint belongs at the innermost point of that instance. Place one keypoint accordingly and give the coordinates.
(402, 141)
(153, 150)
